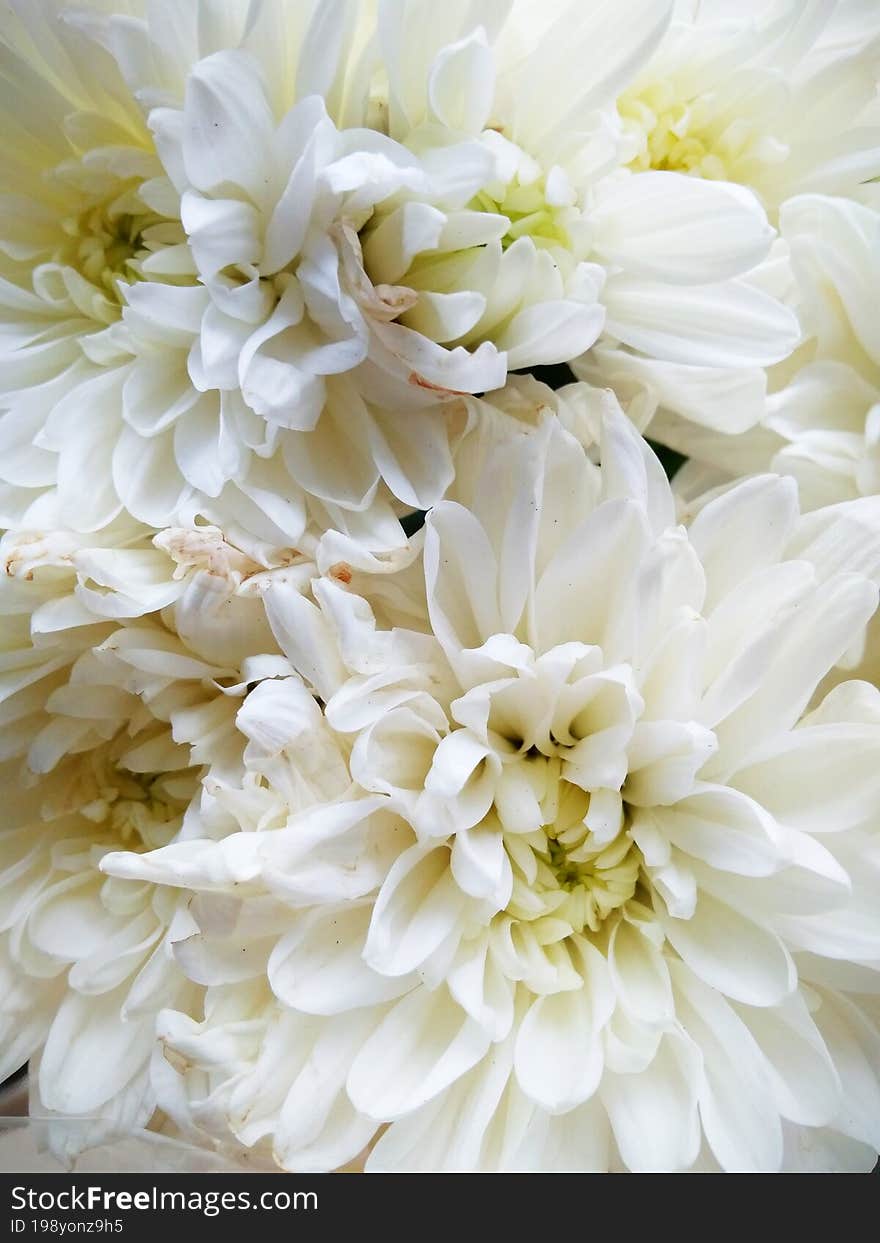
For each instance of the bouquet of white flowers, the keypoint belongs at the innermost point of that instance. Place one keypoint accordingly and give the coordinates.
(394, 755)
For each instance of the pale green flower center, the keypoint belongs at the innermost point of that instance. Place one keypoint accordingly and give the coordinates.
(105, 244)
(562, 874)
(529, 213)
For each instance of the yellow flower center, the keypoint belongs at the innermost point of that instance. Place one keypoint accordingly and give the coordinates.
(677, 134)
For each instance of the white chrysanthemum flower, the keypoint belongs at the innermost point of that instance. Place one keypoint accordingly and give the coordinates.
(96, 387)
(112, 715)
(319, 839)
(668, 251)
(781, 99)
(470, 228)
(822, 423)
(348, 217)
(619, 907)
(77, 218)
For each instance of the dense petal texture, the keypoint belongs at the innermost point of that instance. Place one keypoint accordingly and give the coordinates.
(586, 896)
(821, 423)
(253, 291)
(119, 692)
(395, 765)
(781, 100)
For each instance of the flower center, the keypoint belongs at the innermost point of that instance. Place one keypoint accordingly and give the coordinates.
(564, 870)
(674, 133)
(133, 807)
(141, 811)
(670, 130)
(530, 212)
(105, 243)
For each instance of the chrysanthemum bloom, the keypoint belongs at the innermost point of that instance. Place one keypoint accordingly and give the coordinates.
(241, 1071)
(95, 387)
(112, 715)
(623, 911)
(348, 216)
(779, 98)
(822, 423)
(530, 98)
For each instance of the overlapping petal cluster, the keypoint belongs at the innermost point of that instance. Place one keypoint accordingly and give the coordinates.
(821, 419)
(582, 881)
(118, 698)
(274, 242)
(392, 758)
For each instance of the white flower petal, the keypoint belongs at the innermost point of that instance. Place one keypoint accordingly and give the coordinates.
(639, 975)
(304, 636)
(480, 865)
(558, 1055)
(147, 479)
(461, 86)
(853, 1042)
(630, 469)
(725, 829)
(583, 599)
(736, 956)
(742, 531)
(724, 325)
(654, 1113)
(739, 1116)
(479, 985)
(552, 331)
(90, 1053)
(679, 229)
(818, 634)
(318, 966)
(418, 908)
(819, 778)
(460, 576)
(222, 233)
(805, 1084)
(421, 1047)
(227, 126)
